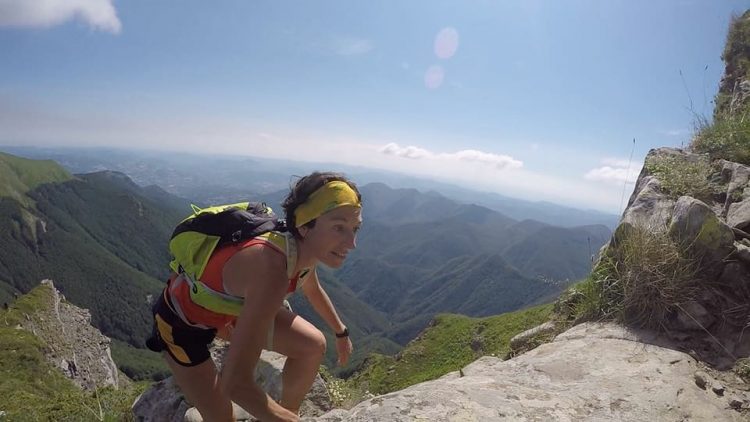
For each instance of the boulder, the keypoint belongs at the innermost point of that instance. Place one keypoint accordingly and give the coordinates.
(162, 402)
(521, 341)
(649, 207)
(165, 402)
(592, 372)
(696, 227)
(736, 176)
(268, 374)
(737, 203)
(76, 347)
(738, 214)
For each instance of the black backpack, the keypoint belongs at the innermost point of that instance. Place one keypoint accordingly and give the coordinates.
(197, 236)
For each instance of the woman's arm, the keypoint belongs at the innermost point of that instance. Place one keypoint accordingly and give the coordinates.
(320, 301)
(322, 304)
(263, 275)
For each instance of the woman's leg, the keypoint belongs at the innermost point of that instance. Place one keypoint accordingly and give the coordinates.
(304, 346)
(200, 385)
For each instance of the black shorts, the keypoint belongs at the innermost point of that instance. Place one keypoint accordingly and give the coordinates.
(187, 345)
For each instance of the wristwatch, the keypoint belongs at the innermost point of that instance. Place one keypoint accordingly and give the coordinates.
(343, 334)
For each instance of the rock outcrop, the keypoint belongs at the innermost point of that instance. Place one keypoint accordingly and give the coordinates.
(734, 87)
(165, 402)
(80, 351)
(712, 232)
(603, 371)
(592, 372)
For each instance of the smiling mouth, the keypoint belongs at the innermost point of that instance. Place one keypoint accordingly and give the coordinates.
(340, 255)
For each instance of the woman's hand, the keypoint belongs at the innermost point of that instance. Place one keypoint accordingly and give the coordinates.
(344, 349)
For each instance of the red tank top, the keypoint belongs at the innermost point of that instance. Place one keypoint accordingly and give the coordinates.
(179, 292)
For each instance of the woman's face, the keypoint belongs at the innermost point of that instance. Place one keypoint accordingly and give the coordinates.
(334, 235)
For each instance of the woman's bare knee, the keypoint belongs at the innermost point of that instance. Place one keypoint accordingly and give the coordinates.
(297, 338)
(317, 343)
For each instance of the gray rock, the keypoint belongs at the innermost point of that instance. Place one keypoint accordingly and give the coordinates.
(693, 316)
(164, 401)
(268, 375)
(75, 346)
(738, 214)
(593, 372)
(649, 207)
(743, 253)
(736, 277)
(699, 230)
(701, 379)
(735, 175)
(520, 341)
(718, 389)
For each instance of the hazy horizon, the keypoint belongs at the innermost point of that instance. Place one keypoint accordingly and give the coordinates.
(535, 100)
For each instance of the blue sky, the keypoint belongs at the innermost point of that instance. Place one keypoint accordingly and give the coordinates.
(534, 99)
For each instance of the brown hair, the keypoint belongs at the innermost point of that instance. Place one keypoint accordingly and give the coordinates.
(303, 188)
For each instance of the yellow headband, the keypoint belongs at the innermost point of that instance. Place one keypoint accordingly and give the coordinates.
(329, 196)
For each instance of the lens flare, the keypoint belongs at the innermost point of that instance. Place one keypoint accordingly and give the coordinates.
(434, 76)
(446, 43)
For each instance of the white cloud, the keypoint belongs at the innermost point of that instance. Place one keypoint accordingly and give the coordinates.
(468, 156)
(412, 152)
(100, 14)
(498, 161)
(45, 123)
(352, 46)
(615, 171)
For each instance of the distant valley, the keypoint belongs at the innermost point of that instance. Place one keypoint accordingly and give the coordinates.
(223, 179)
(103, 238)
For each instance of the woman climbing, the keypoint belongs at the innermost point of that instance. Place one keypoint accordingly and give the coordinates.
(323, 215)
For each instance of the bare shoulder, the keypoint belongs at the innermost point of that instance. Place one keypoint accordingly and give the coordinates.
(252, 268)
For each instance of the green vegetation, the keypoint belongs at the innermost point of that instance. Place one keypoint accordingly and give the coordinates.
(139, 364)
(20, 175)
(742, 369)
(639, 280)
(450, 343)
(33, 389)
(102, 244)
(682, 175)
(736, 55)
(728, 136)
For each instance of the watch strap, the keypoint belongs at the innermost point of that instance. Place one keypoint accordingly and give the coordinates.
(343, 334)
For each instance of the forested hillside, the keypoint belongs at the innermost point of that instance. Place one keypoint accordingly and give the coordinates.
(96, 235)
(102, 239)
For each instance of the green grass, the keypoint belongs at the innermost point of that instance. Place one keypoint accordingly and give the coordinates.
(450, 343)
(728, 136)
(139, 364)
(639, 281)
(736, 55)
(682, 175)
(33, 389)
(742, 369)
(20, 175)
